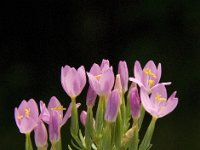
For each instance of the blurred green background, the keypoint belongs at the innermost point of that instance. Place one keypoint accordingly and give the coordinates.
(37, 38)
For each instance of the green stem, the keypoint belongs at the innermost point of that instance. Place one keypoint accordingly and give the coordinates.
(142, 114)
(42, 148)
(89, 128)
(118, 130)
(123, 112)
(100, 116)
(146, 142)
(28, 145)
(56, 145)
(74, 118)
(106, 139)
(135, 138)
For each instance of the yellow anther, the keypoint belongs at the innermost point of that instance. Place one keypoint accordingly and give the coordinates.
(27, 112)
(58, 108)
(19, 117)
(159, 98)
(98, 76)
(151, 82)
(149, 72)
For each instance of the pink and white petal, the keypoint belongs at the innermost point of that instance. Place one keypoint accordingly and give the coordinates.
(159, 89)
(22, 107)
(44, 115)
(146, 102)
(136, 81)
(53, 103)
(166, 83)
(69, 82)
(137, 70)
(169, 107)
(65, 69)
(95, 69)
(82, 76)
(107, 81)
(105, 65)
(158, 73)
(16, 117)
(34, 113)
(94, 83)
(27, 125)
(151, 65)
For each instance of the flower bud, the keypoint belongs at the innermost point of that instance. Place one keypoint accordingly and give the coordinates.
(112, 106)
(123, 71)
(134, 102)
(118, 86)
(40, 135)
(91, 97)
(83, 117)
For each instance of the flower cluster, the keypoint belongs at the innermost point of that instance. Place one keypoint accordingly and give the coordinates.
(119, 113)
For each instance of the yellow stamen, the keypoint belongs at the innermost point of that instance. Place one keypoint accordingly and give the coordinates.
(19, 117)
(27, 112)
(58, 108)
(149, 72)
(159, 98)
(98, 76)
(151, 82)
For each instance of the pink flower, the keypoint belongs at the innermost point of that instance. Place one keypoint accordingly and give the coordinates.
(53, 116)
(73, 81)
(149, 77)
(26, 116)
(101, 78)
(157, 104)
(96, 86)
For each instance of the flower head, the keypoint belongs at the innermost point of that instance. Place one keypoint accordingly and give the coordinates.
(149, 76)
(73, 81)
(157, 104)
(26, 116)
(53, 116)
(101, 78)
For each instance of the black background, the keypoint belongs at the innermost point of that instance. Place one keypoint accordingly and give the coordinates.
(37, 38)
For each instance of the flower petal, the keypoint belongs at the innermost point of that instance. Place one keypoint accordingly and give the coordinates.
(137, 70)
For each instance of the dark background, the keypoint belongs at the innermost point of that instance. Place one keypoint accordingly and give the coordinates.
(37, 38)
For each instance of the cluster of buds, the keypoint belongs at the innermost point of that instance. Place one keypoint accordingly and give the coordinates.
(119, 109)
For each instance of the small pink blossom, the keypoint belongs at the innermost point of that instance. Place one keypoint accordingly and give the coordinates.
(149, 76)
(26, 116)
(157, 103)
